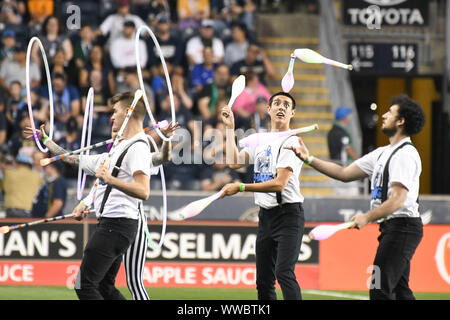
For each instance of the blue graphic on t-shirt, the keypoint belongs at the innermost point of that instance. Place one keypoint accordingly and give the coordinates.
(377, 184)
(262, 166)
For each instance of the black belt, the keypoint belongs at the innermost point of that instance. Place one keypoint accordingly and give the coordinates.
(400, 220)
(114, 219)
(284, 205)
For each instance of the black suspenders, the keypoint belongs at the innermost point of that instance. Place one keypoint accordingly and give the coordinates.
(385, 178)
(115, 173)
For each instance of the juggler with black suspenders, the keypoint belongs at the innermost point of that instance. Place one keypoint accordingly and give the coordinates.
(394, 171)
(276, 189)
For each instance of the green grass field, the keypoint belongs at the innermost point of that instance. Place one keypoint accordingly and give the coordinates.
(63, 293)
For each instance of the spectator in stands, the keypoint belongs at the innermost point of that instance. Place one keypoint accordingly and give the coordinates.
(203, 74)
(14, 106)
(171, 46)
(20, 184)
(219, 89)
(12, 11)
(112, 26)
(58, 62)
(196, 45)
(256, 61)
(14, 69)
(66, 102)
(214, 177)
(8, 44)
(83, 47)
(237, 11)
(245, 104)
(70, 141)
(53, 39)
(96, 62)
(190, 13)
(122, 49)
(236, 50)
(340, 145)
(51, 197)
(102, 108)
(60, 65)
(19, 142)
(154, 11)
(261, 119)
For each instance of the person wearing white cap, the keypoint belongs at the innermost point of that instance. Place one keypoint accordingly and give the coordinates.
(196, 45)
(112, 27)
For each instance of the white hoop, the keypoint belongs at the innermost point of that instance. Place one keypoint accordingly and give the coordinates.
(141, 80)
(87, 125)
(28, 89)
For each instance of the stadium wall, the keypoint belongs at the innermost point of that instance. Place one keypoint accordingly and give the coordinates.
(218, 254)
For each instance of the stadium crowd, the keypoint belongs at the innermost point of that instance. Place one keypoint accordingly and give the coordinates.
(206, 45)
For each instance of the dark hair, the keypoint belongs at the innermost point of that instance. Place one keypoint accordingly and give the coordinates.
(59, 75)
(126, 99)
(47, 20)
(71, 125)
(281, 93)
(411, 111)
(242, 27)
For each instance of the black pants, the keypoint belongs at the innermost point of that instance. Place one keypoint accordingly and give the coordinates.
(398, 241)
(102, 258)
(280, 232)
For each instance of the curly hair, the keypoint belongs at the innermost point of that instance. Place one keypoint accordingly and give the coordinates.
(412, 112)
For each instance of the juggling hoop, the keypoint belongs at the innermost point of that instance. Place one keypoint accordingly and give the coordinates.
(28, 89)
(141, 80)
(152, 119)
(87, 126)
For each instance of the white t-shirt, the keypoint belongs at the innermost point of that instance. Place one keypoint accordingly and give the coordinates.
(405, 167)
(123, 53)
(138, 158)
(264, 158)
(194, 48)
(113, 25)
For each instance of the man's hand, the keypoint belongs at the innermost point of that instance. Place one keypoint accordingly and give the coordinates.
(360, 220)
(80, 211)
(229, 189)
(227, 117)
(103, 173)
(169, 131)
(301, 151)
(28, 132)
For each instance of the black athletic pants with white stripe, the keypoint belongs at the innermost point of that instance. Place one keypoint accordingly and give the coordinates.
(398, 241)
(102, 258)
(278, 242)
(134, 260)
